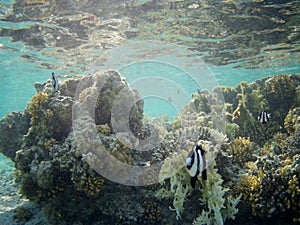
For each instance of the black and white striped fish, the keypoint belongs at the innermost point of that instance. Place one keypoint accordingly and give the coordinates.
(54, 83)
(196, 164)
(264, 117)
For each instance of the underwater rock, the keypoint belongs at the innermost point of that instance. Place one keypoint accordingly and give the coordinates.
(39, 86)
(12, 129)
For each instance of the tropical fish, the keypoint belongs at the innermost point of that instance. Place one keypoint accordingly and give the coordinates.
(54, 83)
(196, 164)
(264, 117)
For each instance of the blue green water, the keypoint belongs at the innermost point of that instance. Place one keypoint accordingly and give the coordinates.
(21, 65)
(18, 76)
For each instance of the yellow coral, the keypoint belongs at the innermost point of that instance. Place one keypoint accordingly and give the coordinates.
(36, 105)
(283, 171)
(104, 129)
(94, 185)
(249, 186)
(251, 165)
(291, 120)
(241, 150)
(266, 149)
(293, 188)
(292, 202)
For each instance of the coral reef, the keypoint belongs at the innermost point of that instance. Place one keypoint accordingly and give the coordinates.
(269, 200)
(292, 121)
(12, 129)
(252, 167)
(242, 150)
(264, 170)
(50, 163)
(216, 207)
(22, 215)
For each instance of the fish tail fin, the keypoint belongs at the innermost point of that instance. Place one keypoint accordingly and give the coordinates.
(204, 174)
(193, 181)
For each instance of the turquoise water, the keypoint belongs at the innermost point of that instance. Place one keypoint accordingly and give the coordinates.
(22, 64)
(18, 74)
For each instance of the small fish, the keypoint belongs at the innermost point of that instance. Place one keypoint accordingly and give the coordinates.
(264, 117)
(54, 83)
(196, 164)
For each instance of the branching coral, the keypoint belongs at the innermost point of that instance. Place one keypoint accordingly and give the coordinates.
(292, 120)
(257, 185)
(37, 106)
(249, 186)
(242, 150)
(215, 204)
(231, 129)
(280, 91)
(219, 206)
(40, 115)
(179, 182)
(293, 190)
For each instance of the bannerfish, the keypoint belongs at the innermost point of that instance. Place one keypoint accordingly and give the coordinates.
(196, 164)
(54, 83)
(264, 117)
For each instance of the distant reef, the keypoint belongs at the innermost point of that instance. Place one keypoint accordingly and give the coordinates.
(254, 171)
